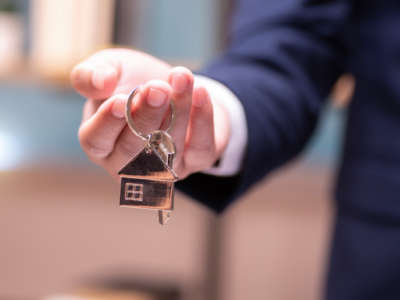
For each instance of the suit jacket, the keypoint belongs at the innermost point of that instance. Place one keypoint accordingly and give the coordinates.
(283, 57)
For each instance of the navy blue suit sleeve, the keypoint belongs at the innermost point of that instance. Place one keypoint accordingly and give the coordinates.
(283, 57)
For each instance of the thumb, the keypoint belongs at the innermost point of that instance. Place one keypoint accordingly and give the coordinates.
(95, 78)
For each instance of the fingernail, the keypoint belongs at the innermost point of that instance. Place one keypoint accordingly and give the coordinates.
(118, 108)
(156, 97)
(179, 83)
(100, 74)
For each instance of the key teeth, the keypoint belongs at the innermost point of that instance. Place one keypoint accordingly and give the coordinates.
(163, 216)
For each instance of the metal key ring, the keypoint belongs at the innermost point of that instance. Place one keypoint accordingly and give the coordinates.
(129, 120)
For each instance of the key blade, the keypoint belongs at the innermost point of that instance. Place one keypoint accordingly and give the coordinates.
(163, 216)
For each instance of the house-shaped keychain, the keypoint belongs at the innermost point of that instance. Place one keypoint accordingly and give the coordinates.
(147, 181)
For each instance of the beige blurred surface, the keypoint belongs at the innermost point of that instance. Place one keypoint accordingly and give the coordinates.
(275, 241)
(64, 32)
(59, 231)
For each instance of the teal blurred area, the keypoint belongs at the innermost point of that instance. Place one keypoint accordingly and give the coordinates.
(187, 30)
(325, 146)
(38, 126)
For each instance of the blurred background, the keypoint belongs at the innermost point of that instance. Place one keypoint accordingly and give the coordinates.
(60, 235)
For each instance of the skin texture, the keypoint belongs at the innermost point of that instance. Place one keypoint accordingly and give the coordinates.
(201, 130)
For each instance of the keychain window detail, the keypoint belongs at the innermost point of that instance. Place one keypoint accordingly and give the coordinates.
(133, 191)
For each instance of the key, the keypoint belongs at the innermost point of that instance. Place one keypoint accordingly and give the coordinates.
(163, 144)
(147, 181)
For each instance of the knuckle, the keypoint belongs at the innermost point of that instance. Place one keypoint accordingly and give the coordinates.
(98, 153)
(92, 149)
(146, 123)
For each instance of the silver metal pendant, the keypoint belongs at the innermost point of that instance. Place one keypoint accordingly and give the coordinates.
(147, 181)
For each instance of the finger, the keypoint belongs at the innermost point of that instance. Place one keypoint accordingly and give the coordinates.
(148, 112)
(89, 109)
(181, 80)
(96, 77)
(200, 147)
(99, 133)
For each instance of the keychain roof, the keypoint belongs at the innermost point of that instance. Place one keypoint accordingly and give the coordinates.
(149, 165)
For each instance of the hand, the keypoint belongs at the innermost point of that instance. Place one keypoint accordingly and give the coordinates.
(201, 130)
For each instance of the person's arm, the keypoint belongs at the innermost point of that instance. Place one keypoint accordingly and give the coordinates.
(281, 62)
